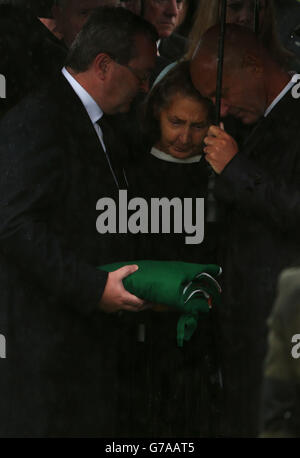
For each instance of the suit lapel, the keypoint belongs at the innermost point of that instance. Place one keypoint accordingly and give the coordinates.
(115, 155)
(267, 144)
(82, 140)
(83, 137)
(251, 146)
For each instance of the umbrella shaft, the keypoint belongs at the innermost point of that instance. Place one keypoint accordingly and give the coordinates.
(220, 61)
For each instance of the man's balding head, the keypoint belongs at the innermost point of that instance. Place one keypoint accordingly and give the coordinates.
(247, 86)
(240, 43)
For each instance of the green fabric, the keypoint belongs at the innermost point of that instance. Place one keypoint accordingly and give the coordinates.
(185, 286)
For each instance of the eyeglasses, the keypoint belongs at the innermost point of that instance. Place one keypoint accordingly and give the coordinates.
(141, 79)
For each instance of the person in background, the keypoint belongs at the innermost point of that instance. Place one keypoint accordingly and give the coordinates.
(39, 50)
(163, 14)
(71, 15)
(29, 53)
(241, 12)
(186, 17)
(132, 5)
(288, 20)
(50, 23)
(281, 383)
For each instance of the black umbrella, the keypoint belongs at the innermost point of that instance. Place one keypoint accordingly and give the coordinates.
(221, 51)
(214, 360)
(220, 60)
(212, 213)
(256, 16)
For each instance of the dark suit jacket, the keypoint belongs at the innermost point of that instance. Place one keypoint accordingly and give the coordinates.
(59, 378)
(29, 53)
(260, 189)
(173, 47)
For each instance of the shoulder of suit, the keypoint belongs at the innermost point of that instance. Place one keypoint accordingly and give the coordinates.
(178, 39)
(50, 102)
(17, 19)
(286, 112)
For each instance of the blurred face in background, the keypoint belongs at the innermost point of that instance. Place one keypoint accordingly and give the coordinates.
(241, 12)
(71, 15)
(163, 14)
(183, 126)
(182, 13)
(51, 25)
(132, 5)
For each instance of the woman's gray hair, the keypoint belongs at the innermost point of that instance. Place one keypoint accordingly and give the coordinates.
(176, 81)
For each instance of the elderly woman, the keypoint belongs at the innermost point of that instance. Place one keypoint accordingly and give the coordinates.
(175, 122)
(171, 162)
(178, 403)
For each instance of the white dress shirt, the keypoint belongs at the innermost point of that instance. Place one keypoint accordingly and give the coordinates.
(157, 46)
(94, 111)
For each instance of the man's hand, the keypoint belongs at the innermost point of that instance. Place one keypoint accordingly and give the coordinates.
(220, 148)
(115, 297)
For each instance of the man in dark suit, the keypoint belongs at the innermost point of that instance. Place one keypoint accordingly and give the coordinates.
(58, 158)
(163, 15)
(259, 187)
(38, 53)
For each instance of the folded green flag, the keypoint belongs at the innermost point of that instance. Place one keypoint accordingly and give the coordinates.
(191, 288)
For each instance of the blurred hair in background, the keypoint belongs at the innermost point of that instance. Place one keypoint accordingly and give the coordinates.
(241, 12)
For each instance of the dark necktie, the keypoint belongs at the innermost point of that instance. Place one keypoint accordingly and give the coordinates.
(115, 166)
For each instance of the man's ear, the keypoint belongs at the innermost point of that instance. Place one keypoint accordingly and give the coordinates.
(252, 62)
(102, 64)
